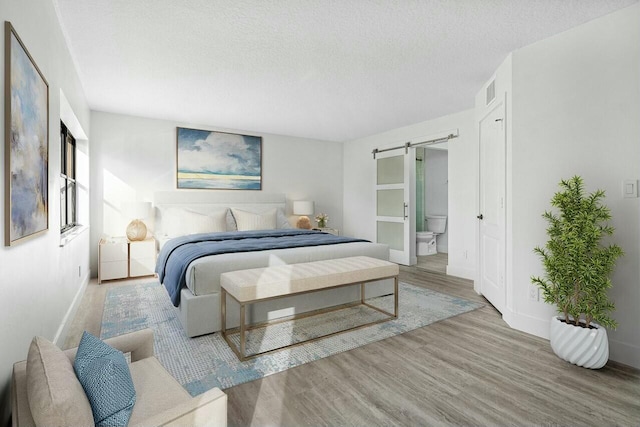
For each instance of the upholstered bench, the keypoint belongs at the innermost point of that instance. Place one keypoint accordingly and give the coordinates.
(260, 284)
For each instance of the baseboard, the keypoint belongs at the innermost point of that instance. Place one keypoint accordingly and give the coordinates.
(625, 353)
(621, 352)
(529, 324)
(61, 333)
(465, 273)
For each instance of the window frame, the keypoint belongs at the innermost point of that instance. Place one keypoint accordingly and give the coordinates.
(68, 180)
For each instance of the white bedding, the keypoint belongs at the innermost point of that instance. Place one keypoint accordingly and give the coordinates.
(203, 275)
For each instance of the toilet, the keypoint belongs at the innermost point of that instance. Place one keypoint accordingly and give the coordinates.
(426, 241)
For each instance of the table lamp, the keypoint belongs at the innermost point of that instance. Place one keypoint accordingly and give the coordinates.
(303, 208)
(136, 211)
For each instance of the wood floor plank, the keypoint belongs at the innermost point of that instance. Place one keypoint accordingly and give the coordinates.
(471, 369)
(468, 370)
(436, 263)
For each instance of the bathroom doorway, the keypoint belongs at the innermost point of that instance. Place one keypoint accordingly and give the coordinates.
(432, 200)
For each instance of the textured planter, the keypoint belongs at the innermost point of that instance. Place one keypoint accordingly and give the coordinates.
(584, 347)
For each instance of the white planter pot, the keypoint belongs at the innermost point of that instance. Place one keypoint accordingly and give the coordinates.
(584, 347)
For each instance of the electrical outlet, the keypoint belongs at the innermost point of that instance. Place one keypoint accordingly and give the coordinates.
(533, 293)
(466, 254)
(79, 271)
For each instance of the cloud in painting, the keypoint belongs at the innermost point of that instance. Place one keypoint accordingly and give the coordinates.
(219, 153)
(28, 145)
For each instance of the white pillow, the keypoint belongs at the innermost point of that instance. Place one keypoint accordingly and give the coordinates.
(282, 220)
(252, 221)
(179, 222)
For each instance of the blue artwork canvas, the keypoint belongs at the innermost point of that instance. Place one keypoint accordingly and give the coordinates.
(26, 145)
(218, 160)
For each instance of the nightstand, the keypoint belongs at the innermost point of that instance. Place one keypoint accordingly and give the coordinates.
(118, 258)
(113, 259)
(334, 231)
(142, 257)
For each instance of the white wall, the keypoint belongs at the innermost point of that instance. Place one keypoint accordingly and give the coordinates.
(39, 278)
(576, 104)
(436, 189)
(359, 180)
(132, 157)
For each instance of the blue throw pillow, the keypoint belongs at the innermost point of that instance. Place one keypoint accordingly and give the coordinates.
(105, 377)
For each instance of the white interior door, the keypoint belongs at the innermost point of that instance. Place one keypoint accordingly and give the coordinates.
(394, 204)
(491, 217)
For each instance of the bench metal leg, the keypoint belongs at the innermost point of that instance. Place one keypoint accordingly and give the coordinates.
(223, 323)
(393, 315)
(242, 330)
(223, 311)
(395, 296)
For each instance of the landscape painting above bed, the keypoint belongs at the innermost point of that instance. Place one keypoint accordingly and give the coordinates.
(218, 160)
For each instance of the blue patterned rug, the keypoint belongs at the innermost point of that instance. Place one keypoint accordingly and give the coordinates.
(207, 361)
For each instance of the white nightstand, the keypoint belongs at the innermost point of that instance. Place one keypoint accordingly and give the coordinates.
(113, 259)
(119, 258)
(142, 257)
(329, 230)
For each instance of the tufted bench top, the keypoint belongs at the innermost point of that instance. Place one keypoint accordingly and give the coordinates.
(281, 280)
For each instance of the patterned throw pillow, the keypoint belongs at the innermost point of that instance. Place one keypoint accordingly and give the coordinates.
(105, 377)
(252, 221)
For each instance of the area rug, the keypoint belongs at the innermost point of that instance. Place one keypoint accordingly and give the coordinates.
(204, 362)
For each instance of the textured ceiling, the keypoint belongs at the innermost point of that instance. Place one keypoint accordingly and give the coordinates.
(326, 69)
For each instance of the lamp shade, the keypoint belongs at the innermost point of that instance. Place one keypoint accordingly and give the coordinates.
(136, 210)
(302, 207)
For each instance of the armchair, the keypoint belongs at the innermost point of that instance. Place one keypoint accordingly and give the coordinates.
(47, 389)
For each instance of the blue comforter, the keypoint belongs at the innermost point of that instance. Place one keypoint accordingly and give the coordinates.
(178, 253)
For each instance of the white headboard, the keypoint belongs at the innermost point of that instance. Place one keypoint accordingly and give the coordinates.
(207, 201)
(190, 199)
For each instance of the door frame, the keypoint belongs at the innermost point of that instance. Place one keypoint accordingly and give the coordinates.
(502, 270)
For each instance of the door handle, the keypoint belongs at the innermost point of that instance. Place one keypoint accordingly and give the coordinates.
(406, 214)
(480, 217)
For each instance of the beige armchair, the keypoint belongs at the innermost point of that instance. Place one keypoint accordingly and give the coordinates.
(48, 391)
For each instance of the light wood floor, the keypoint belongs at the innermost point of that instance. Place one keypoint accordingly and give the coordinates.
(468, 370)
(436, 262)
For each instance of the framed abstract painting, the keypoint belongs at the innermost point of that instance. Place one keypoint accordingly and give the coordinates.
(218, 160)
(26, 143)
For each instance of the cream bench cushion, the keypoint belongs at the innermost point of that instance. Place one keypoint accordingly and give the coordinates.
(270, 282)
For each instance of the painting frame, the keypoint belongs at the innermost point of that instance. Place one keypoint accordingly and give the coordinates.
(26, 143)
(214, 160)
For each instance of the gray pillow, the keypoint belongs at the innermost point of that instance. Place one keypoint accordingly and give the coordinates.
(55, 395)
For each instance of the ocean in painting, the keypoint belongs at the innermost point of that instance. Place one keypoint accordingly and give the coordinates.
(222, 184)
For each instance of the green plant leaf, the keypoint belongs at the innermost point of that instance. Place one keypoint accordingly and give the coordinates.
(576, 264)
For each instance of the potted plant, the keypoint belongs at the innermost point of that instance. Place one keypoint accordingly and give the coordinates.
(577, 270)
(322, 220)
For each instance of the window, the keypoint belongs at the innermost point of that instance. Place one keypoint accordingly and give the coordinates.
(68, 211)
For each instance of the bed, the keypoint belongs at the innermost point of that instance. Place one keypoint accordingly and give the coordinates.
(185, 222)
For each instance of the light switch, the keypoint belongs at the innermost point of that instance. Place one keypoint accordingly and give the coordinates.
(630, 188)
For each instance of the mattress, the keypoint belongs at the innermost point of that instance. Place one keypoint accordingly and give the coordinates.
(203, 274)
